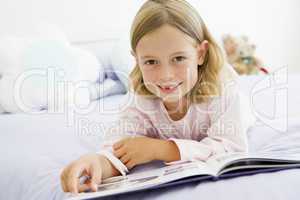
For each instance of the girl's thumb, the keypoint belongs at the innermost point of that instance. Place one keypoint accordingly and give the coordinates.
(94, 187)
(96, 177)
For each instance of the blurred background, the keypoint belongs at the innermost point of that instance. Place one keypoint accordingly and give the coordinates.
(273, 26)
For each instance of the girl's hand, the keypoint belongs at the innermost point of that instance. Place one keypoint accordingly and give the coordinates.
(133, 151)
(95, 166)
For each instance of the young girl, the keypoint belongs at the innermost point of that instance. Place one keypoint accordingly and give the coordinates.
(186, 103)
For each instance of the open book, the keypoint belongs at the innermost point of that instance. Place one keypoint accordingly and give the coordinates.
(157, 175)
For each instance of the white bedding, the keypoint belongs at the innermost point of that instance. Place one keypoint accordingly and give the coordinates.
(34, 148)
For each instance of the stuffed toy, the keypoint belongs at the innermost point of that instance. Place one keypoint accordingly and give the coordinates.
(241, 55)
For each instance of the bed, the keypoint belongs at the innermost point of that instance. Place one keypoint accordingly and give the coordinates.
(35, 147)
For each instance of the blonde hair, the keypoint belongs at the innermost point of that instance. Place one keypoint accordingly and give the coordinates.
(181, 15)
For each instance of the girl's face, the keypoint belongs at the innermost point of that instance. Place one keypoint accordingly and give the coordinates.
(168, 60)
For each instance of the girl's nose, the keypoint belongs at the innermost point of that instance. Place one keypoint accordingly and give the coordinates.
(166, 72)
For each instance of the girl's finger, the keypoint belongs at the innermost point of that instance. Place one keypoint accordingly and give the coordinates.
(125, 158)
(96, 176)
(130, 164)
(119, 153)
(63, 185)
(118, 144)
(63, 181)
(73, 178)
(84, 187)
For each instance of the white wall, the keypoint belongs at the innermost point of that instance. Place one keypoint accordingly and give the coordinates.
(80, 19)
(272, 25)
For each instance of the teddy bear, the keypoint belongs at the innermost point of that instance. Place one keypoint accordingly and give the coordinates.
(241, 55)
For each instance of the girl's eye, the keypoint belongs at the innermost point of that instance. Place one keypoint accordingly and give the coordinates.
(150, 62)
(179, 59)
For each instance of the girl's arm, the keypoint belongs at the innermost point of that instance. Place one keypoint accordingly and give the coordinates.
(132, 124)
(167, 151)
(140, 150)
(230, 118)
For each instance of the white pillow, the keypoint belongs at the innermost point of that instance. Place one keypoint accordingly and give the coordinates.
(102, 50)
(122, 61)
(25, 58)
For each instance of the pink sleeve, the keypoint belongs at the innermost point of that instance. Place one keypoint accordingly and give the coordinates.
(132, 123)
(227, 132)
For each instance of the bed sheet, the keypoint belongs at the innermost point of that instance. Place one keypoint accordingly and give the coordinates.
(35, 148)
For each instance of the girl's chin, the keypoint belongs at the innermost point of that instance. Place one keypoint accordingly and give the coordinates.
(173, 97)
(170, 100)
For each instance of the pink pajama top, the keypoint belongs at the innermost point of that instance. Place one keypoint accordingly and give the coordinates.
(214, 127)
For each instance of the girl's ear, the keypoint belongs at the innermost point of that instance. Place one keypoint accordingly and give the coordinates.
(202, 50)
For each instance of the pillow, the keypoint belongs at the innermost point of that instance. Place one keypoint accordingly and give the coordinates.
(122, 61)
(35, 69)
(102, 50)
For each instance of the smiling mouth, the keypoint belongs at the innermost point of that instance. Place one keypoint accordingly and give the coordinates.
(169, 89)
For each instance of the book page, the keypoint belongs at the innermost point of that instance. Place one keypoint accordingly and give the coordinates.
(235, 161)
(218, 162)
